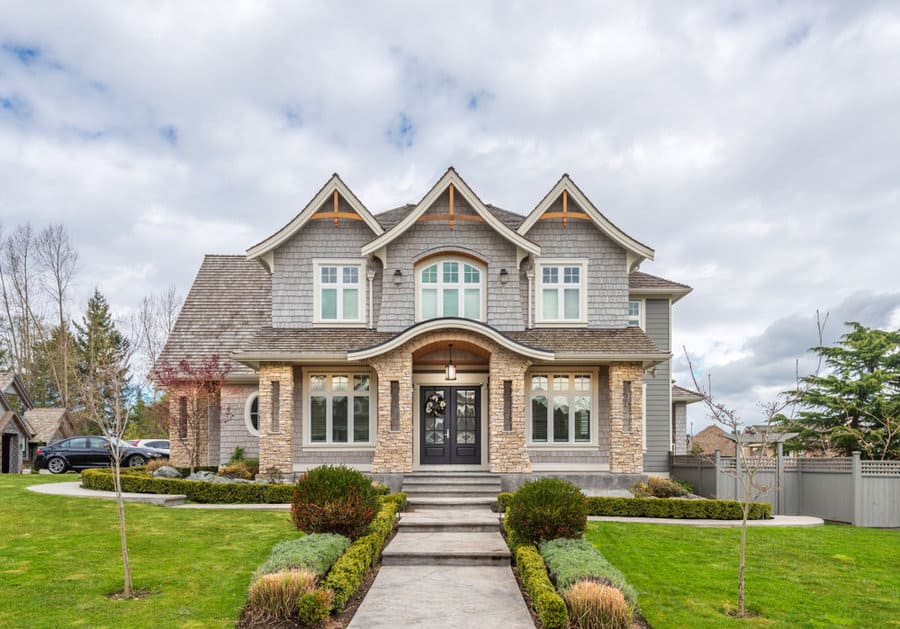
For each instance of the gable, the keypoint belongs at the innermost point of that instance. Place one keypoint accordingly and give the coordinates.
(567, 204)
(335, 202)
(455, 189)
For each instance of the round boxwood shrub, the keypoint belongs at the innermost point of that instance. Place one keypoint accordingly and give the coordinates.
(546, 509)
(334, 499)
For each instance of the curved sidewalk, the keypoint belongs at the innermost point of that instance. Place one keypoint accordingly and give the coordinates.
(797, 521)
(75, 490)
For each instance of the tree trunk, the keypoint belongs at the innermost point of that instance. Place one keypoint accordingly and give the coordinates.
(745, 512)
(127, 589)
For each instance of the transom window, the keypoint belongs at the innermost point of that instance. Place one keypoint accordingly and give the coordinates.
(339, 292)
(451, 288)
(561, 408)
(561, 292)
(339, 408)
(251, 413)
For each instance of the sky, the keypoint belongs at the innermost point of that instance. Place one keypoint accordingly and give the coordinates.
(754, 145)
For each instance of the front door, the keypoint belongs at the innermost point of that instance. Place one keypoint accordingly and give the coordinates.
(451, 425)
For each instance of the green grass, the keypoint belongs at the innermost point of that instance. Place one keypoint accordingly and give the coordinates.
(59, 558)
(832, 576)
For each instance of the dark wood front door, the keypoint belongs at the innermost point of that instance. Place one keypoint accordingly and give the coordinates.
(450, 419)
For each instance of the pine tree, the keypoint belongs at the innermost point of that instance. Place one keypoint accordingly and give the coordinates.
(98, 343)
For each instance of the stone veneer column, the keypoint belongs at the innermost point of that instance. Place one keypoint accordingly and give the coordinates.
(626, 450)
(508, 453)
(181, 447)
(276, 448)
(394, 448)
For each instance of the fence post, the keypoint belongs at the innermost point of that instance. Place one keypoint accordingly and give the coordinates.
(779, 477)
(716, 488)
(856, 467)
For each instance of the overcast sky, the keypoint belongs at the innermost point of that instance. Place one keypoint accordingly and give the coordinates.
(753, 145)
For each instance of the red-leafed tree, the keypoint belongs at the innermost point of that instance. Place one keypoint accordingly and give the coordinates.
(194, 393)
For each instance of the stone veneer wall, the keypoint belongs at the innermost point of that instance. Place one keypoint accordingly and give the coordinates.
(276, 448)
(394, 448)
(625, 448)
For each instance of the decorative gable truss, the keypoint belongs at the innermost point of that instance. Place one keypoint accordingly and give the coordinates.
(325, 205)
(583, 210)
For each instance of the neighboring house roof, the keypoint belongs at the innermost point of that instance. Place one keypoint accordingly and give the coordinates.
(10, 416)
(713, 438)
(640, 283)
(11, 383)
(230, 300)
(637, 250)
(761, 433)
(334, 185)
(680, 394)
(47, 422)
(462, 188)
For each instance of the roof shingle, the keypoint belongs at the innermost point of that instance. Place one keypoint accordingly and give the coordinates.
(638, 280)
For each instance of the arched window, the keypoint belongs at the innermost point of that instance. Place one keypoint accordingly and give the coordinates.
(251, 414)
(450, 287)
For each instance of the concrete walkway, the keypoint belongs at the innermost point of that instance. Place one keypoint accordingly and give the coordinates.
(798, 521)
(176, 501)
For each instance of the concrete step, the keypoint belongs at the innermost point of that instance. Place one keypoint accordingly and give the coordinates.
(446, 549)
(493, 481)
(450, 475)
(449, 501)
(480, 490)
(459, 520)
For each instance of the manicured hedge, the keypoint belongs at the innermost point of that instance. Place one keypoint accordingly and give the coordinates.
(549, 605)
(504, 499)
(350, 569)
(196, 491)
(675, 508)
(571, 560)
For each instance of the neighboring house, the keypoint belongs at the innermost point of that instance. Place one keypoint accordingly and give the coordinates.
(49, 425)
(710, 439)
(681, 397)
(14, 431)
(446, 335)
(760, 436)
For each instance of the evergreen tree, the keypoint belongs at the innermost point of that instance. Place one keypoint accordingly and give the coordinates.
(856, 406)
(98, 343)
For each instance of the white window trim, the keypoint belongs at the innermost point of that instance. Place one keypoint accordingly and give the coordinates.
(595, 409)
(247, 406)
(642, 315)
(308, 443)
(419, 285)
(317, 264)
(539, 319)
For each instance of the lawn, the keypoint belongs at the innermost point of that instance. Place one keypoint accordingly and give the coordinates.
(59, 558)
(832, 576)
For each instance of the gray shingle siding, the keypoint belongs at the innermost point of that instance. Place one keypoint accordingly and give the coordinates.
(292, 279)
(504, 307)
(607, 298)
(233, 431)
(659, 387)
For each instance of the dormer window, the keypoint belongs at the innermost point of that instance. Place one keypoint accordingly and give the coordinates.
(339, 294)
(450, 287)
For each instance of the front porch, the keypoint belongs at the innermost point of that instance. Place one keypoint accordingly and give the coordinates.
(390, 410)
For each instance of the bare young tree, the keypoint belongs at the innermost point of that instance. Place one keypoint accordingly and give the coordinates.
(59, 260)
(18, 288)
(194, 394)
(749, 465)
(110, 375)
(153, 324)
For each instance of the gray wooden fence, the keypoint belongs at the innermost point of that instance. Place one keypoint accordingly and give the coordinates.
(846, 489)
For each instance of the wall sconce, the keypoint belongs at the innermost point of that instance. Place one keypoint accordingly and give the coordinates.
(370, 274)
(398, 277)
(504, 276)
(450, 372)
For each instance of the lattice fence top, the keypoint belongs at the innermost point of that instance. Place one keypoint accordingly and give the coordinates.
(842, 465)
(880, 468)
(689, 460)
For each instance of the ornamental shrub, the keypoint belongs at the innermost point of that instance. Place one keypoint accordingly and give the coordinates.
(593, 605)
(700, 509)
(546, 509)
(238, 469)
(316, 552)
(334, 499)
(572, 560)
(549, 605)
(275, 597)
(155, 464)
(315, 607)
(657, 487)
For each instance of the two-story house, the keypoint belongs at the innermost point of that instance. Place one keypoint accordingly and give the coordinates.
(445, 335)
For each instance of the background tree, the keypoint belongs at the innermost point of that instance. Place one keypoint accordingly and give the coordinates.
(98, 345)
(194, 392)
(856, 404)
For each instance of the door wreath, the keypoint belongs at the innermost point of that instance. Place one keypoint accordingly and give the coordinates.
(435, 405)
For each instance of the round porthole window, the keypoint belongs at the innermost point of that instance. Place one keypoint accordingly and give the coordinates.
(251, 414)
